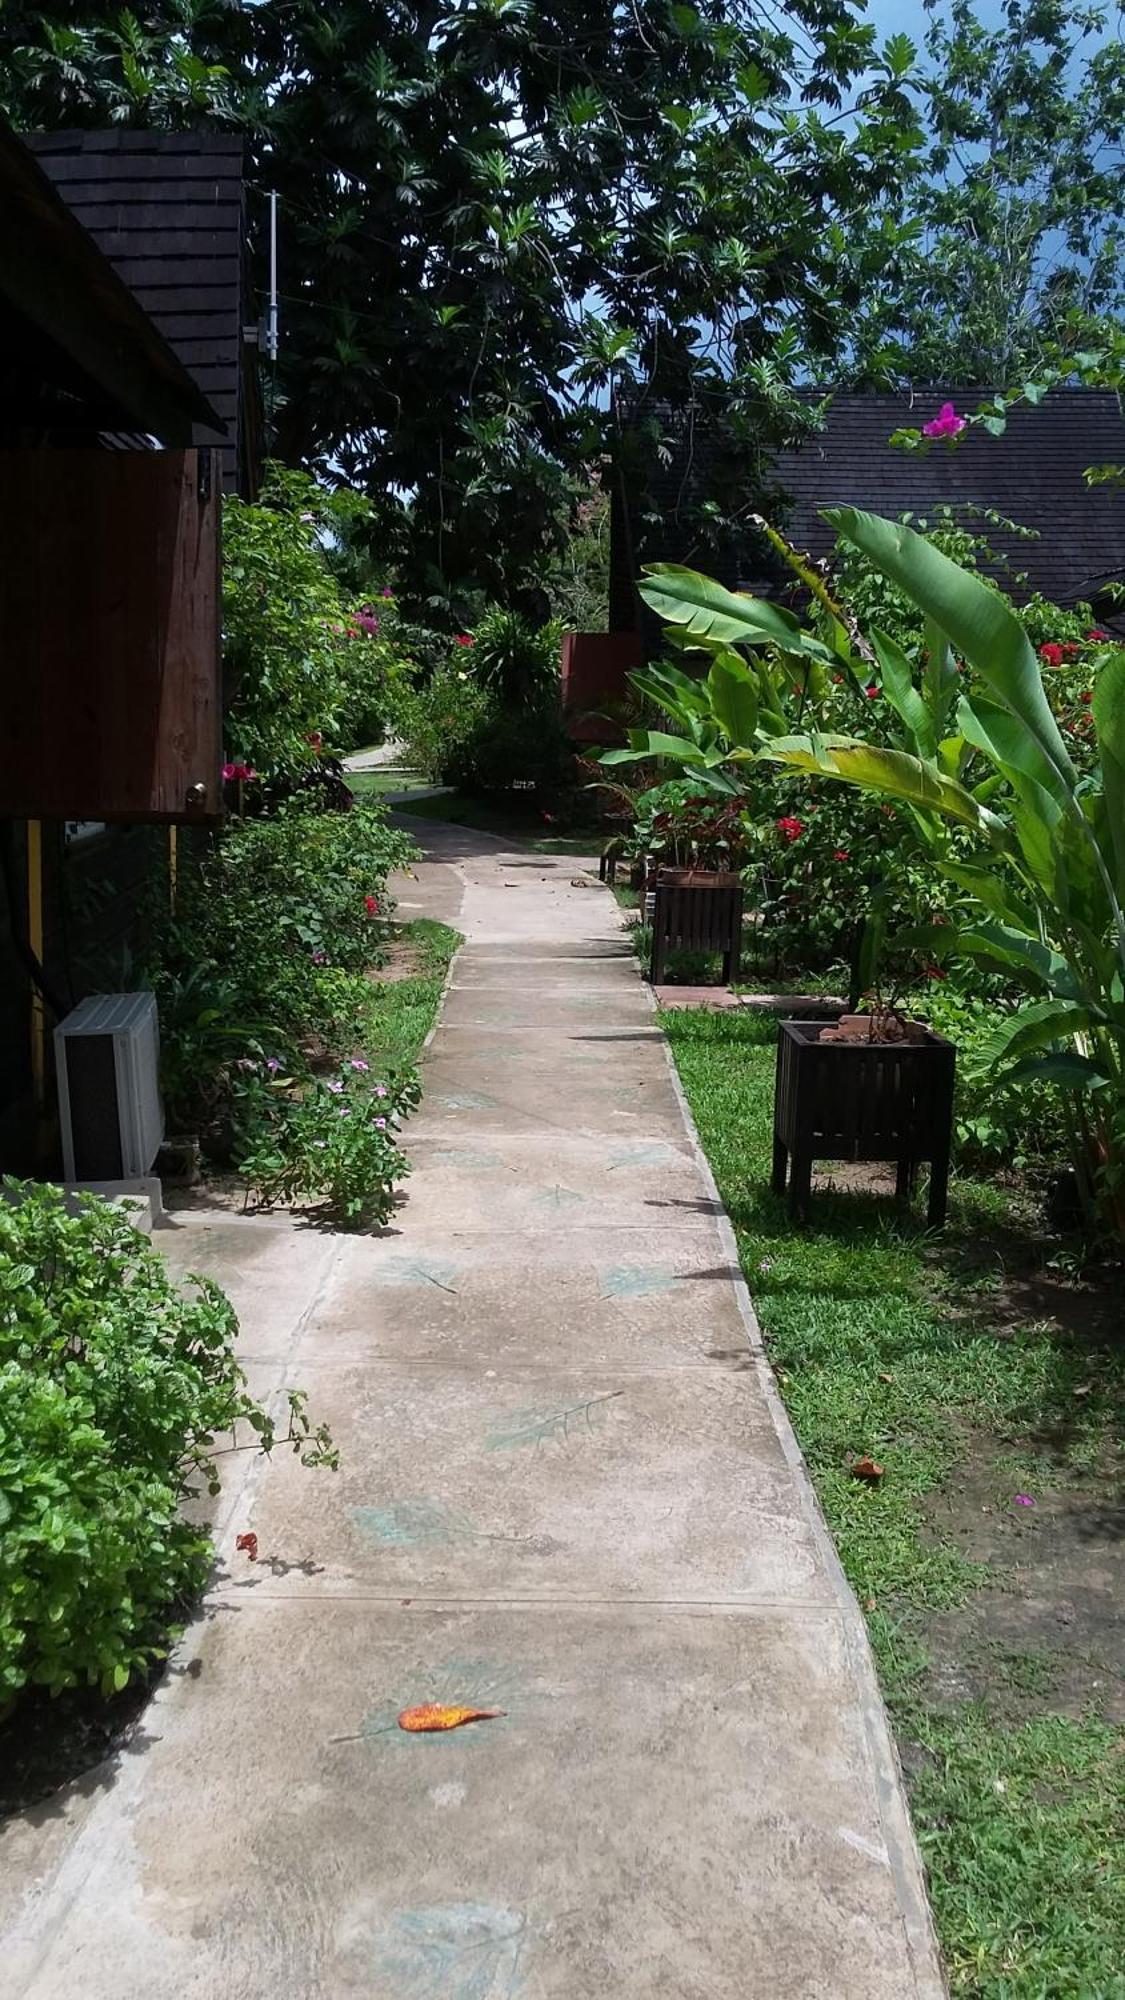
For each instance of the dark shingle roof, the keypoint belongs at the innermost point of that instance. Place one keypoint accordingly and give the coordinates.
(166, 208)
(77, 351)
(1032, 475)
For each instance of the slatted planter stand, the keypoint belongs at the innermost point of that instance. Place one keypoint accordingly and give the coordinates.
(696, 909)
(862, 1100)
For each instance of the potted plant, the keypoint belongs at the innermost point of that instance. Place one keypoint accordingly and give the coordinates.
(694, 843)
(869, 1086)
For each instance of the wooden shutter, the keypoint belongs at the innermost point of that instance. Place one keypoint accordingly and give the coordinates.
(110, 641)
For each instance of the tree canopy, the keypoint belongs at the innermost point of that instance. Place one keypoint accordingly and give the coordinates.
(1019, 206)
(497, 214)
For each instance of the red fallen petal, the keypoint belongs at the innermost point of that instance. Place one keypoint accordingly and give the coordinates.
(250, 1544)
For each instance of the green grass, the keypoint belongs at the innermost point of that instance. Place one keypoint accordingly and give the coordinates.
(375, 784)
(882, 1343)
(403, 1010)
(490, 816)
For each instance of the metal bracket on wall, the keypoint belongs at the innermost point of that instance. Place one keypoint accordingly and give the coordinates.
(204, 476)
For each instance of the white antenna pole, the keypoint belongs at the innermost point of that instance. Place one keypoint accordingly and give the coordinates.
(271, 324)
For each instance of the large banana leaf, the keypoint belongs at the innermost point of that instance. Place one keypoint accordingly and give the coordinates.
(980, 624)
(1064, 1066)
(709, 611)
(893, 772)
(900, 691)
(1035, 1027)
(1109, 722)
(733, 690)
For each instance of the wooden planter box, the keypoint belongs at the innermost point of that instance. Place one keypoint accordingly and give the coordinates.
(695, 910)
(862, 1101)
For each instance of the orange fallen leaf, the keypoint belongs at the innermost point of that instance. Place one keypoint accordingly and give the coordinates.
(866, 1468)
(434, 1715)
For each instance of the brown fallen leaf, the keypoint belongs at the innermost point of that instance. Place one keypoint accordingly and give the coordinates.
(866, 1468)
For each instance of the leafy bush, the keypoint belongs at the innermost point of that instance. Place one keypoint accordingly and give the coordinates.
(113, 1389)
(330, 1139)
(304, 663)
(1014, 1128)
(265, 956)
(488, 718)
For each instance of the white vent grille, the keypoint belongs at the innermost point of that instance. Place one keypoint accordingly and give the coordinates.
(107, 1056)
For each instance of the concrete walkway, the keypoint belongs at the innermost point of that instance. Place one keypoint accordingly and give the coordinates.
(567, 1492)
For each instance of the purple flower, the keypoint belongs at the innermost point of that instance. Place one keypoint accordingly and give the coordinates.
(367, 623)
(380, 1124)
(380, 1090)
(273, 1065)
(1024, 1500)
(946, 424)
(320, 958)
(357, 1062)
(334, 1086)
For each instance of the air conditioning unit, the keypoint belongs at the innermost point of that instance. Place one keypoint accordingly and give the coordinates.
(107, 1058)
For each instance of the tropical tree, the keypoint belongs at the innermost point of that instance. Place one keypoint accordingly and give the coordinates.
(1019, 210)
(504, 222)
(1037, 864)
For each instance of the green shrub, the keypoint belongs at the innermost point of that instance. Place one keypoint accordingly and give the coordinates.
(330, 1139)
(113, 1390)
(265, 956)
(487, 717)
(304, 662)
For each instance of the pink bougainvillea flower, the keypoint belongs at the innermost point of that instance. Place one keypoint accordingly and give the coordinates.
(791, 828)
(841, 854)
(463, 639)
(1095, 635)
(238, 773)
(371, 905)
(367, 622)
(1051, 654)
(386, 591)
(1024, 1500)
(946, 424)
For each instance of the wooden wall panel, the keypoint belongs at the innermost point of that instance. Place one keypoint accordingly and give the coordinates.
(110, 641)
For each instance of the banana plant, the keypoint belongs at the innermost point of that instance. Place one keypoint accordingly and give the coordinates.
(1040, 865)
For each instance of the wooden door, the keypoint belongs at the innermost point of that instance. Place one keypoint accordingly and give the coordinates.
(110, 639)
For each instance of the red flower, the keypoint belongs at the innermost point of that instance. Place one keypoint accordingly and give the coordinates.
(1096, 635)
(1052, 654)
(841, 854)
(871, 692)
(1087, 696)
(315, 738)
(934, 972)
(463, 639)
(790, 827)
(250, 1544)
(371, 905)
